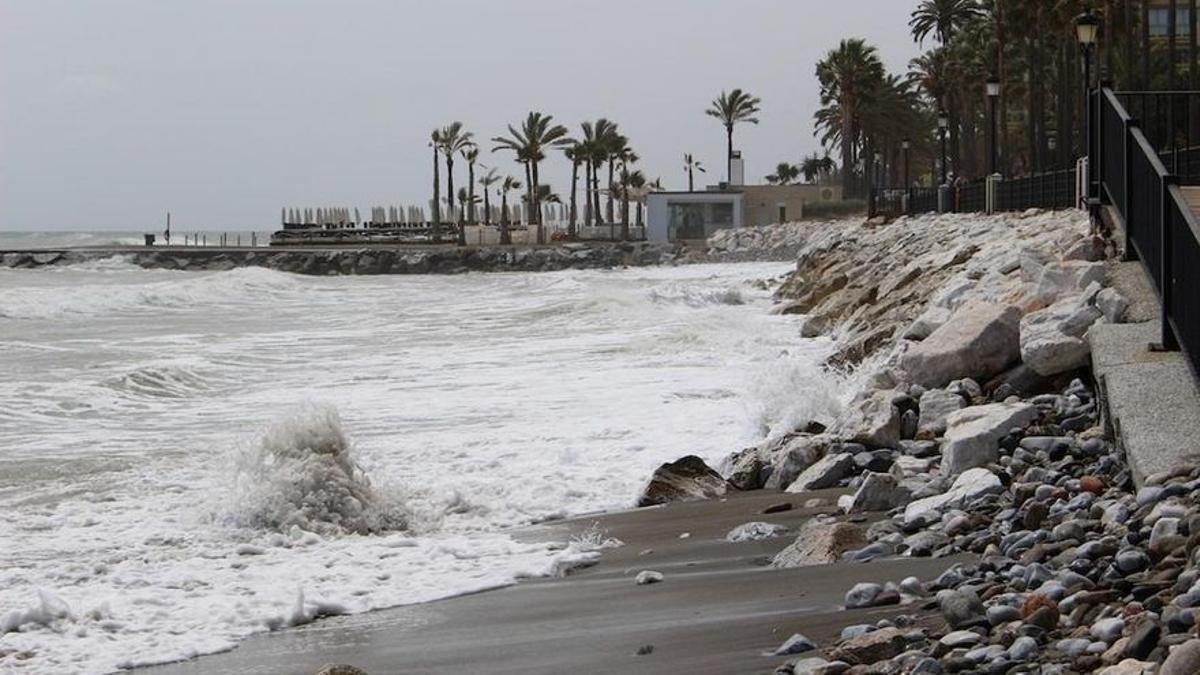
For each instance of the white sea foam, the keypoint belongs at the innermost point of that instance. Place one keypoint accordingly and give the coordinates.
(167, 489)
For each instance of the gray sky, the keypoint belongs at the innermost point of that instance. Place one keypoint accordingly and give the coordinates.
(222, 111)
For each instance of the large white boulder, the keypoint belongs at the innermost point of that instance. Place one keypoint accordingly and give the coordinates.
(935, 406)
(973, 434)
(878, 492)
(1067, 277)
(1052, 339)
(980, 339)
(826, 473)
(873, 421)
(971, 484)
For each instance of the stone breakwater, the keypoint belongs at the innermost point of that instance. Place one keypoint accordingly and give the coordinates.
(975, 431)
(446, 260)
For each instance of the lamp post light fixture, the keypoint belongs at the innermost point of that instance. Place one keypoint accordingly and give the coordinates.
(993, 94)
(1087, 32)
(943, 122)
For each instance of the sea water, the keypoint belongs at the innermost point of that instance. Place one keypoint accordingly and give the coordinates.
(189, 458)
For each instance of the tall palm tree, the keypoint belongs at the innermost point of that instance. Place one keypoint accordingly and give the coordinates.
(576, 152)
(617, 147)
(942, 18)
(508, 185)
(486, 181)
(596, 137)
(471, 154)
(730, 109)
(435, 142)
(636, 183)
(846, 76)
(536, 135)
(454, 140)
(811, 168)
(692, 165)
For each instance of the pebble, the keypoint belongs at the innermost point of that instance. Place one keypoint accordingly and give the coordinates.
(1022, 649)
(797, 644)
(646, 577)
(1108, 630)
(862, 595)
(961, 638)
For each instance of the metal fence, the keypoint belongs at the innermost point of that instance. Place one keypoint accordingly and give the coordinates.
(1130, 175)
(1049, 190)
(1170, 121)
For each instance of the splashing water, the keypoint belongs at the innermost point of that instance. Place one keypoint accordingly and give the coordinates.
(302, 473)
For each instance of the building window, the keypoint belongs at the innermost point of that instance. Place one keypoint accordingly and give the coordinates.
(698, 220)
(1160, 21)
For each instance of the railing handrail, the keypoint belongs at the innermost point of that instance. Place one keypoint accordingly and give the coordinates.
(1122, 113)
(1142, 92)
(1181, 203)
(1142, 143)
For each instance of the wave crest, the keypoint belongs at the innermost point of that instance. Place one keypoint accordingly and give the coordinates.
(302, 474)
(692, 296)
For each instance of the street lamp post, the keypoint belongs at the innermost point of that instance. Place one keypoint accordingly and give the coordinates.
(993, 94)
(943, 122)
(1087, 30)
(880, 174)
(905, 145)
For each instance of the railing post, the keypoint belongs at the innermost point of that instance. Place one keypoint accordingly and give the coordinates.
(1166, 266)
(1127, 179)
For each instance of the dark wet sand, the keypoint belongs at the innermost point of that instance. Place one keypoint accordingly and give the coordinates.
(718, 610)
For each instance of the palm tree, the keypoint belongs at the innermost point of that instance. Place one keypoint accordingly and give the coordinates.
(465, 202)
(846, 76)
(454, 141)
(811, 167)
(636, 183)
(509, 184)
(596, 137)
(691, 165)
(943, 18)
(576, 152)
(471, 154)
(537, 133)
(732, 108)
(617, 147)
(435, 142)
(487, 180)
(784, 174)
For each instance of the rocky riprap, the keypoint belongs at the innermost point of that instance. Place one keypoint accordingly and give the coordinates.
(447, 260)
(975, 432)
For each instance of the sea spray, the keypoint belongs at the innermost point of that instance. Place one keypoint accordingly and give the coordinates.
(302, 474)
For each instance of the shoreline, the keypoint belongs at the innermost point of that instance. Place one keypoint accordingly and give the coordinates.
(718, 610)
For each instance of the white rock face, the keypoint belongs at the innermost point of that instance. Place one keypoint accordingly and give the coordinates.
(971, 484)
(936, 405)
(825, 473)
(1068, 276)
(1052, 339)
(980, 340)
(1112, 304)
(878, 492)
(973, 434)
(873, 422)
(793, 458)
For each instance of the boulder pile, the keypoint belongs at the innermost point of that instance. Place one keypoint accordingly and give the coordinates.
(975, 432)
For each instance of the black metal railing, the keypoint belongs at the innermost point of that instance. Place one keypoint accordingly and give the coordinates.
(1049, 190)
(1170, 121)
(971, 198)
(1135, 167)
(896, 202)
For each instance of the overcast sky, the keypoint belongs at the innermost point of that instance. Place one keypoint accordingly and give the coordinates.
(222, 111)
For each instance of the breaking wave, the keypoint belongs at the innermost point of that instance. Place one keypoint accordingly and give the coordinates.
(302, 474)
(240, 286)
(166, 381)
(692, 296)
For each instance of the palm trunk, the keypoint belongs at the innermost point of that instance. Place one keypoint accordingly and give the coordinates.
(537, 205)
(691, 183)
(505, 236)
(624, 209)
(596, 217)
(847, 158)
(729, 154)
(609, 209)
(437, 199)
(487, 208)
(528, 196)
(574, 181)
(450, 195)
(471, 192)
